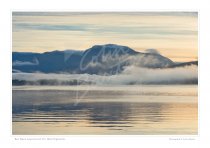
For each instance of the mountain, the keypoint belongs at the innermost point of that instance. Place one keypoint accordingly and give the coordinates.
(48, 62)
(99, 59)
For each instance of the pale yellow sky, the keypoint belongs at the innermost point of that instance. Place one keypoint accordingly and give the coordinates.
(173, 34)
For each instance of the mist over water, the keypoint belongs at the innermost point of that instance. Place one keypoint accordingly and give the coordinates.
(130, 75)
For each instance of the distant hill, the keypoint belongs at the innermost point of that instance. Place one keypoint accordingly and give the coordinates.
(184, 64)
(99, 59)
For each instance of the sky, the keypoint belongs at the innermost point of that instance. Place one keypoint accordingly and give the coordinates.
(173, 34)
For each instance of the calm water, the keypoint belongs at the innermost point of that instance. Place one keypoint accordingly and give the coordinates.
(147, 109)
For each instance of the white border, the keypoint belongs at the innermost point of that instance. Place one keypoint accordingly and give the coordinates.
(143, 137)
(97, 5)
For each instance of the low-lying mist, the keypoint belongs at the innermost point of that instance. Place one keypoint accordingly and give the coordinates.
(130, 75)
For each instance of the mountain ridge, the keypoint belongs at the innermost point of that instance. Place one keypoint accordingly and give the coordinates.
(99, 59)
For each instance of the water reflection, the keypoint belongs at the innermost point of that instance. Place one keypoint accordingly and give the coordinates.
(57, 113)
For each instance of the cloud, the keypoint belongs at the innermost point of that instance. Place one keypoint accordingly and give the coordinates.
(28, 26)
(153, 60)
(46, 31)
(154, 51)
(25, 63)
(131, 75)
(140, 30)
(137, 75)
(150, 60)
(16, 13)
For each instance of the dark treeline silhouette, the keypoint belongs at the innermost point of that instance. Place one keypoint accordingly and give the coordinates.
(49, 82)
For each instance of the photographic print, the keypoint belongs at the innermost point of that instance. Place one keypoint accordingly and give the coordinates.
(104, 73)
